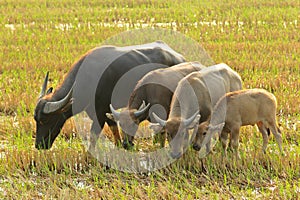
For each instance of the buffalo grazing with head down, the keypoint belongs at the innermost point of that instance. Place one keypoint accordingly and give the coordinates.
(243, 107)
(155, 88)
(192, 102)
(89, 86)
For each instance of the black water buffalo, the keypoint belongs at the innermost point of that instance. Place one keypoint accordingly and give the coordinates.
(192, 102)
(89, 86)
(155, 88)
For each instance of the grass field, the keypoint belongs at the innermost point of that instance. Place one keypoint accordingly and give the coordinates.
(259, 39)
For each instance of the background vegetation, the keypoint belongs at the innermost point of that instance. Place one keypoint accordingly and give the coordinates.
(260, 39)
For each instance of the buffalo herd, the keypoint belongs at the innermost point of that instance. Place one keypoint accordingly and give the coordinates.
(185, 102)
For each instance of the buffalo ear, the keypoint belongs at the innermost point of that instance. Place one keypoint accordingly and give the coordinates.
(110, 116)
(217, 127)
(142, 105)
(194, 122)
(49, 90)
(156, 127)
(67, 106)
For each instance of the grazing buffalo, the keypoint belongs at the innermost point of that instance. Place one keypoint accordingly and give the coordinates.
(89, 86)
(192, 102)
(155, 88)
(243, 107)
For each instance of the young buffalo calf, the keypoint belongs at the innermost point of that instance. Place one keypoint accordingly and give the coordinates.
(241, 108)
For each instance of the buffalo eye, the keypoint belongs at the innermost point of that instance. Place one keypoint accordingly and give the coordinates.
(43, 120)
(204, 133)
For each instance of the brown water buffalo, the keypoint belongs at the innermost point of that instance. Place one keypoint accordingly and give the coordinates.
(192, 102)
(89, 86)
(243, 107)
(156, 88)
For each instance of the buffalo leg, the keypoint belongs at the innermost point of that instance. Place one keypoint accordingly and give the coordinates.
(224, 140)
(163, 137)
(276, 132)
(264, 133)
(234, 141)
(95, 132)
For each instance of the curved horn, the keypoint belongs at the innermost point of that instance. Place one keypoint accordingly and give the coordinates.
(140, 112)
(142, 105)
(44, 87)
(51, 107)
(188, 121)
(159, 120)
(115, 113)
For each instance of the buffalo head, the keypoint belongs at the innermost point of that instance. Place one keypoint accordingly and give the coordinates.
(204, 134)
(177, 132)
(50, 116)
(128, 120)
(201, 133)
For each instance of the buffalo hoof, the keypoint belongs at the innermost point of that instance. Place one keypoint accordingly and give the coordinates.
(127, 145)
(196, 147)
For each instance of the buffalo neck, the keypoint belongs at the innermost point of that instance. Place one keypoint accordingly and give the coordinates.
(68, 82)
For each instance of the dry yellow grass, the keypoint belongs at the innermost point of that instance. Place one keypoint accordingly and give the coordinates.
(258, 39)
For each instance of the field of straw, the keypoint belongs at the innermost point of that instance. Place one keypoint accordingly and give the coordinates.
(259, 39)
